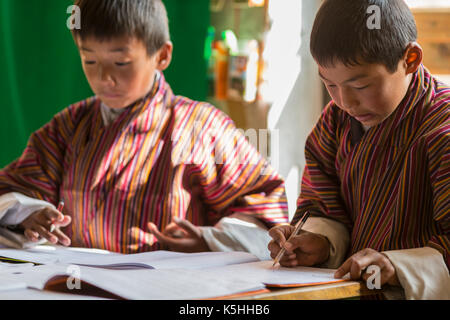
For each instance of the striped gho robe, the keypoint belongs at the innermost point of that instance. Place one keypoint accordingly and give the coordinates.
(165, 156)
(389, 185)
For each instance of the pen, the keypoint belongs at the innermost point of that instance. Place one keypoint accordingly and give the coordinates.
(297, 228)
(61, 205)
(60, 208)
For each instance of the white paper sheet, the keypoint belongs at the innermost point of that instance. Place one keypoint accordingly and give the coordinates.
(167, 284)
(162, 284)
(263, 272)
(155, 259)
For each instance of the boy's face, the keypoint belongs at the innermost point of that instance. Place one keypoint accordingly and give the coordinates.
(369, 92)
(119, 71)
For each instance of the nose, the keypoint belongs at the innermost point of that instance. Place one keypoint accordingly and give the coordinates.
(105, 76)
(348, 101)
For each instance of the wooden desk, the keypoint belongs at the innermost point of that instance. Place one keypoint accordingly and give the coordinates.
(340, 290)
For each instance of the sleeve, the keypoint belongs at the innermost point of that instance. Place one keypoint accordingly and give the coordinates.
(320, 188)
(16, 207)
(37, 172)
(238, 233)
(439, 171)
(233, 175)
(422, 273)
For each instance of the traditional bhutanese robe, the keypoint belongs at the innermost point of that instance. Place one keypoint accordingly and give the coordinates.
(390, 185)
(165, 156)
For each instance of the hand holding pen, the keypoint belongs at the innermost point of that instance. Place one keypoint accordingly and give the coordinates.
(45, 223)
(297, 247)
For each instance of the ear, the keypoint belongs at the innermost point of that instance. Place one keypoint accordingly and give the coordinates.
(413, 57)
(164, 56)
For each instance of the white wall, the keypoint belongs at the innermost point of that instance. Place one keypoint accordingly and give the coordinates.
(293, 87)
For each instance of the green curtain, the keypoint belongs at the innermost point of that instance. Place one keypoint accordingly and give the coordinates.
(40, 70)
(188, 21)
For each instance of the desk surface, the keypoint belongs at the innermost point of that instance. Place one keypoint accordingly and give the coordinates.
(340, 290)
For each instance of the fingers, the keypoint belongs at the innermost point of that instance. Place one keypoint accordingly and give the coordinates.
(358, 263)
(174, 231)
(306, 249)
(62, 238)
(355, 265)
(45, 223)
(163, 239)
(64, 222)
(31, 235)
(280, 233)
(187, 226)
(140, 236)
(193, 240)
(51, 214)
(45, 233)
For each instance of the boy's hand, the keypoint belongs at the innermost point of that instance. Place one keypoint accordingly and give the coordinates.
(181, 236)
(44, 223)
(306, 249)
(358, 263)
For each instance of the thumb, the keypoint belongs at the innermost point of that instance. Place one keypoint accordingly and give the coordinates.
(278, 235)
(293, 243)
(158, 235)
(64, 222)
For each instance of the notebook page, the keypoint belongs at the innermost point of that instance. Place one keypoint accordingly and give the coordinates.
(263, 272)
(205, 260)
(154, 259)
(162, 284)
(7, 284)
(85, 256)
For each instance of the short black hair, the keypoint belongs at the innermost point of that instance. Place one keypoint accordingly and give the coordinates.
(106, 19)
(341, 33)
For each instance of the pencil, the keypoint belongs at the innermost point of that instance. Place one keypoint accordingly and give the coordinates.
(60, 209)
(297, 228)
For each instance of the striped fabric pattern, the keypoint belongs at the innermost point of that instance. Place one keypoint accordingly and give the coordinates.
(165, 156)
(390, 185)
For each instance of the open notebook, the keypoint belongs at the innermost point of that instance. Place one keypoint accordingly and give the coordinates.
(160, 275)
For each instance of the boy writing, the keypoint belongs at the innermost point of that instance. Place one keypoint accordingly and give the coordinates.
(136, 158)
(377, 180)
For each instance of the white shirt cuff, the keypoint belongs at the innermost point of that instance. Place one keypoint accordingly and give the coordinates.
(234, 234)
(16, 207)
(422, 272)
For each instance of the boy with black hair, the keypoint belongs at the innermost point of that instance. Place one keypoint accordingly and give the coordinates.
(135, 158)
(377, 180)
